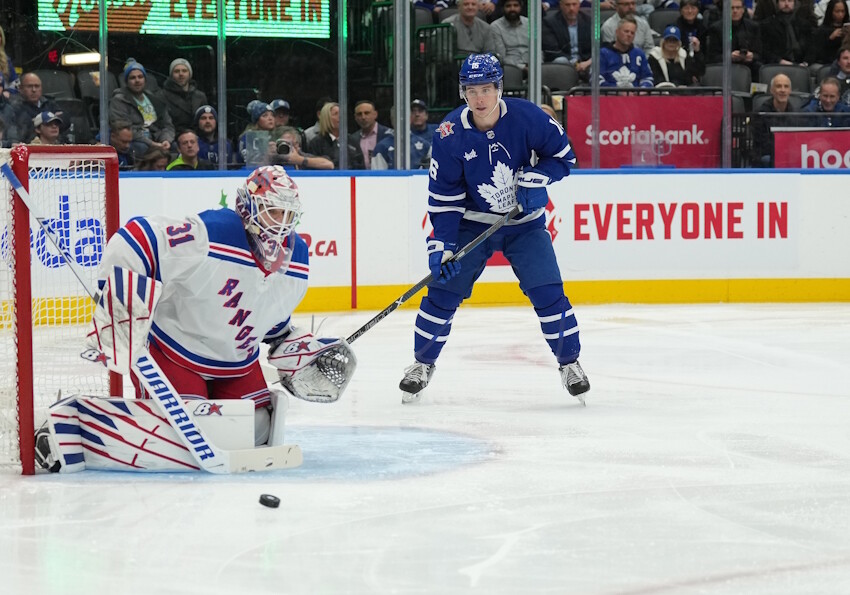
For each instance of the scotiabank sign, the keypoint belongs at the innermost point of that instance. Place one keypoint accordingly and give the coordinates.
(648, 130)
(812, 148)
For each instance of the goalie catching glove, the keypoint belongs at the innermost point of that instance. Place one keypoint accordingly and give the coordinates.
(312, 368)
(122, 319)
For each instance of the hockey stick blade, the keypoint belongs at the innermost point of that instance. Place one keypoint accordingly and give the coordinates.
(418, 287)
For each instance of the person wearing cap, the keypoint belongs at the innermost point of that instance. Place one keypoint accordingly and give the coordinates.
(46, 126)
(421, 134)
(255, 142)
(32, 103)
(371, 132)
(146, 113)
(671, 65)
(622, 64)
(281, 110)
(206, 127)
(181, 95)
(419, 124)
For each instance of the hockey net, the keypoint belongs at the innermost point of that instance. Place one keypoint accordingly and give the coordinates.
(44, 310)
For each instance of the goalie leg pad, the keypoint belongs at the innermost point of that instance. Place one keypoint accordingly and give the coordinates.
(131, 435)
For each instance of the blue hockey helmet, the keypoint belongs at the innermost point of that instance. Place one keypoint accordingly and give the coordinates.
(480, 69)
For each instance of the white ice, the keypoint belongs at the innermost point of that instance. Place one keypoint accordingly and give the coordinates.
(713, 457)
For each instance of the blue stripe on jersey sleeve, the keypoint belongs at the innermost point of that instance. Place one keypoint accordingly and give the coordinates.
(233, 259)
(131, 241)
(225, 226)
(151, 235)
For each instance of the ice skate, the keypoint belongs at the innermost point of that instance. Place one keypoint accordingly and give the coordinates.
(575, 380)
(415, 380)
(44, 456)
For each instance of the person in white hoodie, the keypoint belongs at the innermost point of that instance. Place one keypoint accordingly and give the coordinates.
(671, 64)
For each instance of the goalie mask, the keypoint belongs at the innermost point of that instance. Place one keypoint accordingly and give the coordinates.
(270, 209)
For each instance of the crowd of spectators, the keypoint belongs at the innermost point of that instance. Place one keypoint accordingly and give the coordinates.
(175, 127)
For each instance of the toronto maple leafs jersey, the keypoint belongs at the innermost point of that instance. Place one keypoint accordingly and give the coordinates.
(217, 303)
(624, 69)
(473, 173)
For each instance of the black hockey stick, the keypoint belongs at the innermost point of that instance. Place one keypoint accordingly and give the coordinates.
(416, 288)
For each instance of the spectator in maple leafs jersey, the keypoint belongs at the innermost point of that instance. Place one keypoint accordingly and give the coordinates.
(483, 165)
(621, 63)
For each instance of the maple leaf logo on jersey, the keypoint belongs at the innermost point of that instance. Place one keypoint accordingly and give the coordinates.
(445, 129)
(471, 155)
(624, 77)
(500, 195)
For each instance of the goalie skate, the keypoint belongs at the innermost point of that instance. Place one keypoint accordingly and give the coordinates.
(44, 456)
(416, 378)
(575, 380)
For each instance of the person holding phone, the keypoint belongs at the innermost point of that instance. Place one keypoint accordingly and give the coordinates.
(833, 32)
(746, 41)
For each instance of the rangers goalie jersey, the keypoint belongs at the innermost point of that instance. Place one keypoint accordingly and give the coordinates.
(217, 303)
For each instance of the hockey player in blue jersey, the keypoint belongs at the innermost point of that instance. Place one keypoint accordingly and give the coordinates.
(486, 158)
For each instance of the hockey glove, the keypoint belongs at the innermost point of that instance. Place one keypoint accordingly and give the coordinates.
(531, 190)
(439, 254)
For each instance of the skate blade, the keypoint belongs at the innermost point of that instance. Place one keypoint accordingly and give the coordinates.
(407, 398)
(581, 399)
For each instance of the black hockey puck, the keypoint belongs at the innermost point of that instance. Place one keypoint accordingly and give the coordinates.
(269, 500)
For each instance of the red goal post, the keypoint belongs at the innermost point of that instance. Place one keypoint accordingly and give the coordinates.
(44, 310)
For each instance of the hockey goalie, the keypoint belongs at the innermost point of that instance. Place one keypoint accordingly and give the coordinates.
(183, 307)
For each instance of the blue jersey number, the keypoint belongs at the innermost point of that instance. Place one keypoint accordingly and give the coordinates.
(179, 234)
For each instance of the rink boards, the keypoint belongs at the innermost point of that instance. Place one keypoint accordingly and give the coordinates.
(620, 236)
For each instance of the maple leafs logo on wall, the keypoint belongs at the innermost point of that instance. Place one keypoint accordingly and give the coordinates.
(121, 15)
(500, 195)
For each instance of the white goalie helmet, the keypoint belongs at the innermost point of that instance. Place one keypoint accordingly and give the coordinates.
(270, 208)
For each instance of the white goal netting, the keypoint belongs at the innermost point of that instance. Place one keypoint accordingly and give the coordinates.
(71, 195)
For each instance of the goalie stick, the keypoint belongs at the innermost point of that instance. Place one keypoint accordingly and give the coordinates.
(163, 394)
(416, 288)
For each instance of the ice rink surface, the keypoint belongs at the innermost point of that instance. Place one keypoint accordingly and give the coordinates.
(713, 457)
